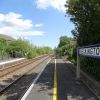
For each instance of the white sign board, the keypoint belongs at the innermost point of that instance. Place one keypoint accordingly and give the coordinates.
(90, 51)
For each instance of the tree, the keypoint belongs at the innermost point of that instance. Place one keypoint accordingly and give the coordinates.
(18, 48)
(85, 14)
(65, 46)
(63, 41)
(22, 48)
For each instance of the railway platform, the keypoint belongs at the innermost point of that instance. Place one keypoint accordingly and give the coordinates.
(2, 62)
(58, 82)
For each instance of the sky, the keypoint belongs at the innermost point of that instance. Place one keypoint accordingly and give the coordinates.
(41, 22)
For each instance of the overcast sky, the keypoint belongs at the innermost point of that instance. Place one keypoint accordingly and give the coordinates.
(41, 22)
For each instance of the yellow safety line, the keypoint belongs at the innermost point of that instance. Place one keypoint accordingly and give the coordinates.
(55, 83)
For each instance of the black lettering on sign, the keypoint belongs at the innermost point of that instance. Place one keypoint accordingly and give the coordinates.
(97, 51)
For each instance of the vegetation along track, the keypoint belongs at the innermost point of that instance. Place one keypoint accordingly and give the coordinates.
(7, 78)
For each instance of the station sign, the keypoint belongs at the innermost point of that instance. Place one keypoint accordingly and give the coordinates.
(90, 51)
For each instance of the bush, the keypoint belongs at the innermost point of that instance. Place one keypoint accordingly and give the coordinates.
(22, 48)
(91, 66)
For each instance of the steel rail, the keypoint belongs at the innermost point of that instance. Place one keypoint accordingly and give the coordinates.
(10, 69)
(16, 80)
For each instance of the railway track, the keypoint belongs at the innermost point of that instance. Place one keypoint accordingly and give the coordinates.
(9, 69)
(13, 74)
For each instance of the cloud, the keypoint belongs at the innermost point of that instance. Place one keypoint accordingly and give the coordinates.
(57, 4)
(24, 33)
(14, 25)
(38, 25)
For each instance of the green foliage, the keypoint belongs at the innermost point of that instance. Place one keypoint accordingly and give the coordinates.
(63, 41)
(19, 48)
(85, 14)
(65, 47)
(3, 47)
(91, 66)
(22, 48)
(31, 54)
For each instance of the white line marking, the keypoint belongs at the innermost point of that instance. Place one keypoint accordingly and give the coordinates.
(33, 83)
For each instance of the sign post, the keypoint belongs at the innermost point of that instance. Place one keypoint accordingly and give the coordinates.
(78, 65)
(87, 51)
